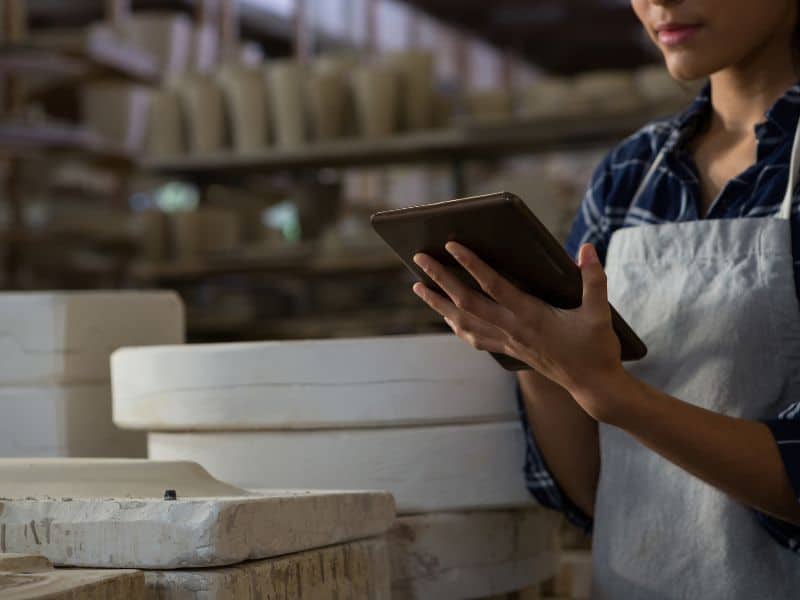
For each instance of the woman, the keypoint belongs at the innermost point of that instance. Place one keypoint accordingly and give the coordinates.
(693, 218)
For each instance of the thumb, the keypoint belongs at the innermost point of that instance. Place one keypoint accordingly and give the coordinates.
(595, 288)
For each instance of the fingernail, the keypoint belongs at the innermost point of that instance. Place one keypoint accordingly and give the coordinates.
(590, 255)
(420, 260)
(452, 249)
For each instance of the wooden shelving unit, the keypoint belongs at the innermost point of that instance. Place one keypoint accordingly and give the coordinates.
(302, 267)
(462, 142)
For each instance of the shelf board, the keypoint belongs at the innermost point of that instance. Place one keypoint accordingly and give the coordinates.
(25, 140)
(98, 52)
(300, 266)
(23, 60)
(465, 140)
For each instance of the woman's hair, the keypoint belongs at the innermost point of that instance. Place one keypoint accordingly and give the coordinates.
(796, 42)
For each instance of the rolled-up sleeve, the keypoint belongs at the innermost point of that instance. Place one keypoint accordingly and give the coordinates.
(786, 431)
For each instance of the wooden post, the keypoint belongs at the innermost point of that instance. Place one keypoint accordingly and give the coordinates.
(206, 12)
(229, 28)
(117, 12)
(302, 31)
(371, 26)
(414, 24)
(509, 70)
(15, 21)
(463, 60)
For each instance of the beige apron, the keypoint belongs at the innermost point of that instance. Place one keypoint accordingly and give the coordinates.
(715, 302)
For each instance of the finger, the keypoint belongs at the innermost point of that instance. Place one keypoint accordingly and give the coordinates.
(491, 282)
(464, 297)
(436, 301)
(478, 334)
(595, 285)
(470, 328)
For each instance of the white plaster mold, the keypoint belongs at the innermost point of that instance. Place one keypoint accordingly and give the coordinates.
(348, 383)
(72, 420)
(457, 467)
(67, 337)
(450, 556)
(112, 514)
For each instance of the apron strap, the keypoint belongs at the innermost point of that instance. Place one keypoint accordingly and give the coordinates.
(650, 174)
(785, 211)
(794, 169)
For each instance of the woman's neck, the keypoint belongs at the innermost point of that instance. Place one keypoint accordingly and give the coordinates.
(743, 93)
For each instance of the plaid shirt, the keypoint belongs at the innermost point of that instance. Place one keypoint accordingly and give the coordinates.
(673, 196)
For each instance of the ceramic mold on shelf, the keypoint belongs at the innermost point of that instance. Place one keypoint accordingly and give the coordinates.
(116, 514)
(459, 467)
(203, 108)
(67, 337)
(472, 555)
(118, 112)
(416, 73)
(323, 384)
(165, 136)
(246, 106)
(284, 82)
(375, 89)
(329, 98)
(165, 35)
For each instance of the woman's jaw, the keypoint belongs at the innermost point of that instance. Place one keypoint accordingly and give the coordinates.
(701, 37)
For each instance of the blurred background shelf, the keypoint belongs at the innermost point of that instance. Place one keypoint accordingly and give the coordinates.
(233, 150)
(467, 140)
(97, 56)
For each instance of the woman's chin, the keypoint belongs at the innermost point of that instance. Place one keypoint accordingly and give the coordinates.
(687, 70)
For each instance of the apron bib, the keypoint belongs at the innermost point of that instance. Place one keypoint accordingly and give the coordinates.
(716, 304)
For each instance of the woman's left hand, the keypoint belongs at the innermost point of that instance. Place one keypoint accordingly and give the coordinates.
(576, 349)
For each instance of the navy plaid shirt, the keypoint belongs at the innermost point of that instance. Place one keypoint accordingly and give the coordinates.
(674, 196)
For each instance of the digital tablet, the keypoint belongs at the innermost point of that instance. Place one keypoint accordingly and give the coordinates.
(503, 231)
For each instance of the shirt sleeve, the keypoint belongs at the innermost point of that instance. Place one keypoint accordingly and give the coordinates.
(589, 226)
(786, 431)
(540, 482)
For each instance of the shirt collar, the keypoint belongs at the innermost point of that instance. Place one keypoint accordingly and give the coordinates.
(780, 121)
(783, 115)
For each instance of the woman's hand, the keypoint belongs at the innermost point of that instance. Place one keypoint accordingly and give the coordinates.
(576, 349)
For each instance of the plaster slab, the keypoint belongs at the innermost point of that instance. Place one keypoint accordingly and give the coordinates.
(353, 571)
(72, 420)
(470, 555)
(458, 467)
(67, 337)
(112, 514)
(386, 381)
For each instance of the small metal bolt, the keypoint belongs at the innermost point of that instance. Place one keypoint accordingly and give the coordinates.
(170, 495)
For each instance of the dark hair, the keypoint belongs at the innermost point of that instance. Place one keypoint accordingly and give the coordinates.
(796, 41)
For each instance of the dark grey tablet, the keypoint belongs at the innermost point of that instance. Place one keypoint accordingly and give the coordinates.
(507, 235)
